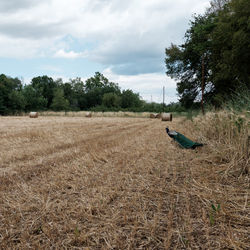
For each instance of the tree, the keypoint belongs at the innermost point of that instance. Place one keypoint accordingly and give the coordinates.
(69, 93)
(111, 100)
(218, 42)
(101, 82)
(96, 87)
(59, 101)
(79, 99)
(184, 62)
(3, 108)
(217, 5)
(45, 87)
(94, 97)
(130, 99)
(33, 99)
(11, 99)
(17, 102)
(231, 51)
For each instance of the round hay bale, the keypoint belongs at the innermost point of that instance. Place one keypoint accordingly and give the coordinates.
(166, 117)
(33, 114)
(88, 114)
(158, 115)
(153, 115)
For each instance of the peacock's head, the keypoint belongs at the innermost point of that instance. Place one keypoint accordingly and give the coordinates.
(167, 130)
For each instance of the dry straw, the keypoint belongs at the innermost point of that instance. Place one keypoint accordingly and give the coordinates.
(153, 115)
(88, 114)
(33, 114)
(96, 114)
(158, 115)
(166, 117)
(77, 183)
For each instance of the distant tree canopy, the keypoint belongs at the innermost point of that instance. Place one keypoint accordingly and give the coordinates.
(11, 98)
(220, 38)
(44, 87)
(59, 102)
(44, 93)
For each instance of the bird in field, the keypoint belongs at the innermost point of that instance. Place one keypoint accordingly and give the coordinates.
(183, 141)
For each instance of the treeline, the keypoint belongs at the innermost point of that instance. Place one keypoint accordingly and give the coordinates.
(44, 93)
(96, 93)
(216, 52)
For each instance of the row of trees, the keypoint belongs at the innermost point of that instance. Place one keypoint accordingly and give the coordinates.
(97, 94)
(44, 93)
(216, 53)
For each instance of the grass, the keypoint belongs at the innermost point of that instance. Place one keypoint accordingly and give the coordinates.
(229, 133)
(112, 114)
(117, 183)
(96, 114)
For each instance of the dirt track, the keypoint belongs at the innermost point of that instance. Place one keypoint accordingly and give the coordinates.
(105, 183)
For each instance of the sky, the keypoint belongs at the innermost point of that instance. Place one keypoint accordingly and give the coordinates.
(123, 39)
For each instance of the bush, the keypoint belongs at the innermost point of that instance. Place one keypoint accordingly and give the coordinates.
(229, 131)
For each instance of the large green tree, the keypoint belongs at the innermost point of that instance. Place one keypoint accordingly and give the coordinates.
(130, 99)
(184, 62)
(44, 86)
(11, 98)
(217, 42)
(96, 87)
(231, 49)
(101, 82)
(111, 100)
(59, 102)
(34, 100)
(79, 96)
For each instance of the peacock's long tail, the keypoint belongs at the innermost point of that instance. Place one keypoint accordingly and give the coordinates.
(196, 144)
(184, 142)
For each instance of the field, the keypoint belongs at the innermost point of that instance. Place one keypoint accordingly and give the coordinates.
(115, 183)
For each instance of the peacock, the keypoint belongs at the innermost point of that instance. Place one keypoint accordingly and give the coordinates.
(183, 141)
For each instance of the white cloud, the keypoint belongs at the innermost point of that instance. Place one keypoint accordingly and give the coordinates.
(15, 5)
(122, 30)
(19, 47)
(149, 86)
(70, 55)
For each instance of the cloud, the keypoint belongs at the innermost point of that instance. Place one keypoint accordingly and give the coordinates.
(30, 30)
(148, 85)
(139, 66)
(70, 55)
(18, 48)
(138, 32)
(15, 5)
(122, 30)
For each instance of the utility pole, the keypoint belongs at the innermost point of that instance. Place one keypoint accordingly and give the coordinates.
(202, 85)
(163, 101)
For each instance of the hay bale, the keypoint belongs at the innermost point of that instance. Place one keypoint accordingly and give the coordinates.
(166, 117)
(158, 115)
(33, 114)
(153, 115)
(88, 114)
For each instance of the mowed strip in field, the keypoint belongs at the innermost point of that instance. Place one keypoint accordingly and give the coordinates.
(106, 183)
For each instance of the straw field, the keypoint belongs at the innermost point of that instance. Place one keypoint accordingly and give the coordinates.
(116, 183)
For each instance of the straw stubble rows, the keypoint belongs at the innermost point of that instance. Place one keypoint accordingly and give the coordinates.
(104, 183)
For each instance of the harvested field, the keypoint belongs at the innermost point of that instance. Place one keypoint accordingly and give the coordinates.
(114, 183)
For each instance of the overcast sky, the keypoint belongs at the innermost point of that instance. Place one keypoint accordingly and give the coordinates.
(123, 39)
